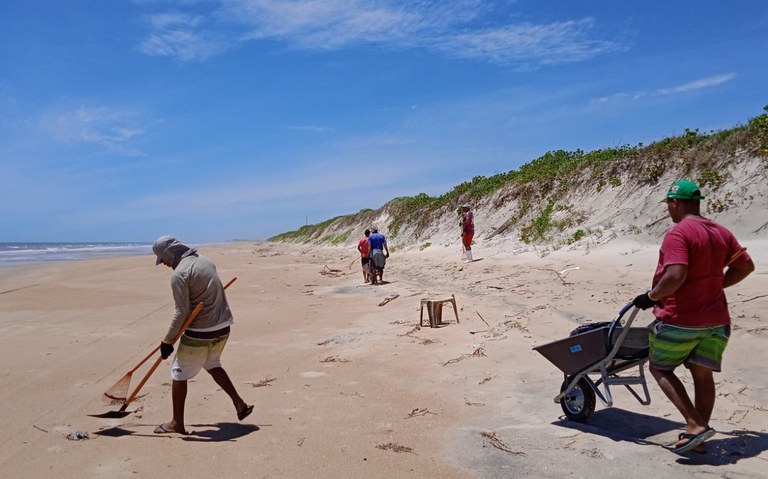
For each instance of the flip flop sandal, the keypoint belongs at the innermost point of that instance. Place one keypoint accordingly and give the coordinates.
(245, 412)
(700, 449)
(693, 440)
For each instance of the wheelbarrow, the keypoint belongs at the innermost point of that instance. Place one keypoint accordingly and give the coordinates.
(594, 358)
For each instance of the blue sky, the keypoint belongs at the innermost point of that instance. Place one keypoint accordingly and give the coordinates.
(214, 120)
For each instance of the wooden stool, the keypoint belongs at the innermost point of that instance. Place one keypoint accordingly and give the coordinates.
(435, 311)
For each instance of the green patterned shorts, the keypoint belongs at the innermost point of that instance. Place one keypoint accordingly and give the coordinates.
(671, 345)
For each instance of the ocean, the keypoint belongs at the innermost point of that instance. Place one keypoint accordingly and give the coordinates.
(15, 254)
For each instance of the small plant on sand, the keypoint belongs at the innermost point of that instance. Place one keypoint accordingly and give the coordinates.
(718, 205)
(424, 246)
(537, 229)
(710, 177)
(576, 236)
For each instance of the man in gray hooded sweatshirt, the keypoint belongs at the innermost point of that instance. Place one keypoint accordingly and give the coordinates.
(194, 280)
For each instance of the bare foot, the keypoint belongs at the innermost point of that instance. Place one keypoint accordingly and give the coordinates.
(168, 428)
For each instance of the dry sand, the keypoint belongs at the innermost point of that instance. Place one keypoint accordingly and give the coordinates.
(345, 383)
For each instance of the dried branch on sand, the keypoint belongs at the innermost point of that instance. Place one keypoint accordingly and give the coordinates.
(476, 353)
(334, 359)
(419, 412)
(490, 437)
(388, 299)
(393, 446)
(262, 383)
(331, 272)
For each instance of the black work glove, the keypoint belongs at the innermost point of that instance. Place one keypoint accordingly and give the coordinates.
(644, 301)
(165, 350)
(386, 255)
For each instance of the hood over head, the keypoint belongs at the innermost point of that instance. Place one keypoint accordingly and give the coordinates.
(168, 249)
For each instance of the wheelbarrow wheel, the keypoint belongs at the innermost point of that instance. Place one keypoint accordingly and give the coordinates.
(579, 404)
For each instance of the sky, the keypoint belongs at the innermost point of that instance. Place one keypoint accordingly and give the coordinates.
(216, 120)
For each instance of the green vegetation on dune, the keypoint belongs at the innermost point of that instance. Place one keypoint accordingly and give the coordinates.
(539, 186)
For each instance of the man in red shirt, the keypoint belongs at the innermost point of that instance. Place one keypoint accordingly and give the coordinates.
(365, 255)
(692, 323)
(467, 224)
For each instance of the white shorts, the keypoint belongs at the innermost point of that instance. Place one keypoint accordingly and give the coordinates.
(194, 354)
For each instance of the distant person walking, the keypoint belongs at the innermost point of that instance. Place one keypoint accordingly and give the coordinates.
(467, 224)
(194, 280)
(692, 323)
(379, 255)
(365, 255)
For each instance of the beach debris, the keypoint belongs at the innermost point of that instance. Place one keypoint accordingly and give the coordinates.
(262, 383)
(389, 298)
(410, 333)
(476, 353)
(334, 359)
(301, 441)
(563, 272)
(78, 436)
(594, 453)
(752, 299)
(481, 317)
(326, 271)
(558, 273)
(419, 412)
(17, 289)
(39, 428)
(485, 380)
(395, 447)
(470, 403)
(490, 437)
(481, 331)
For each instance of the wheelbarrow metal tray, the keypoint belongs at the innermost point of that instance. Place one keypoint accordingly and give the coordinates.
(574, 353)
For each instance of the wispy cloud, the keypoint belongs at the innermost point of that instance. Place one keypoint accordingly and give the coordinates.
(456, 28)
(559, 42)
(102, 126)
(311, 128)
(180, 35)
(699, 84)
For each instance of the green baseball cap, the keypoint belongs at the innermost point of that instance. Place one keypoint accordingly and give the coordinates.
(683, 190)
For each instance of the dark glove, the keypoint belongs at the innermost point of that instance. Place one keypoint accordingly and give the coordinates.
(386, 255)
(166, 349)
(644, 301)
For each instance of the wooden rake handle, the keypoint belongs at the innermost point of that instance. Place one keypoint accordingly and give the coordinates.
(186, 324)
(135, 392)
(184, 327)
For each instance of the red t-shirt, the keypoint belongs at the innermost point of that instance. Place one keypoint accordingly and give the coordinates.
(364, 247)
(467, 223)
(705, 247)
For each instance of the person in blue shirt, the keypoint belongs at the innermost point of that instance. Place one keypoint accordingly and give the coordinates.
(379, 255)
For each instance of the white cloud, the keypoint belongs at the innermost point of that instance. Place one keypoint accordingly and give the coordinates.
(699, 84)
(312, 128)
(103, 126)
(457, 28)
(180, 35)
(559, 42)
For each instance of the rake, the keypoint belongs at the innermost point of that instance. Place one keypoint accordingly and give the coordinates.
(118, 393)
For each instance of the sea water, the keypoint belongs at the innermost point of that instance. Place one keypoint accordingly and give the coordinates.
(14, 254)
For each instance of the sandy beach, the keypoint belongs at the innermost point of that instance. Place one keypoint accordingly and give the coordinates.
(345, 381)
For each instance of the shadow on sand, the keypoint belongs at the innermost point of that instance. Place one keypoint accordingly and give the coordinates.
(726, 447)
(219, 432)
